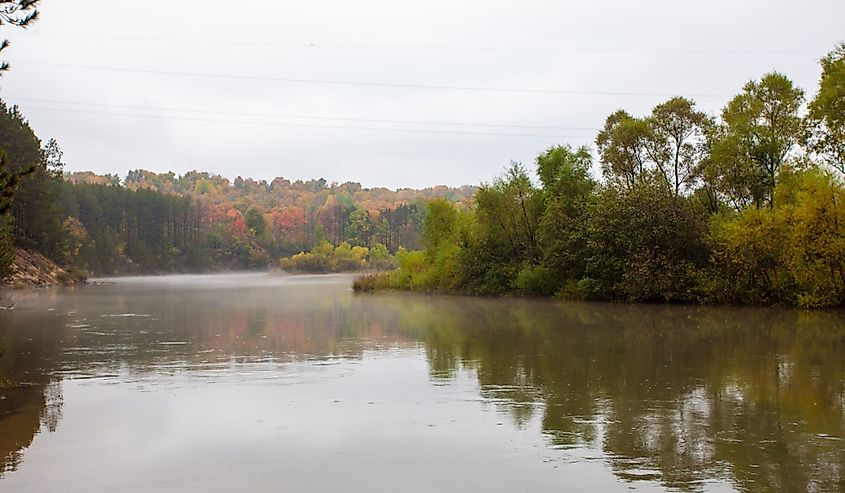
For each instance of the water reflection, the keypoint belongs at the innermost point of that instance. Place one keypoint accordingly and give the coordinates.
(30, 397)
(671, 393)
(676, 396)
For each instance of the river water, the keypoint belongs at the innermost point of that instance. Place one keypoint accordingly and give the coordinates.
(259, 382)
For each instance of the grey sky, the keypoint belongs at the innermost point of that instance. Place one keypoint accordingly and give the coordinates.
(706, 50)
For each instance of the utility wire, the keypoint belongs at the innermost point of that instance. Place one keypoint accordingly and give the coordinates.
(365, 46)
(361, 83)
(305, 125)
(303, 117)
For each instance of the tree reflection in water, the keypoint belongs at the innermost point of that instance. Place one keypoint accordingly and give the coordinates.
(30, 399)
(678, 395)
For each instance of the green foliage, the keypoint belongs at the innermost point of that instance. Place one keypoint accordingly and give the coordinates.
(815, 253)
(20, 154)
(36, 211)
(567, 187)
(324, 258)
(761, 128)
(379, 257)
(360, 228)
(109, 229)
(255, 222)
(747, 250)
(669, 144)
(643, 244)
(23, 182)
(623, 151)
(9, 181)
(565, 175)
(536, 280)
(7, 250)
(441, 224)
(677, 142)
(412, 273)
(826, 112)
(509, 211)
(792, 254)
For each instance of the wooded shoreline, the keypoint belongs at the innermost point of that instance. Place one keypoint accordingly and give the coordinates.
(743, 207)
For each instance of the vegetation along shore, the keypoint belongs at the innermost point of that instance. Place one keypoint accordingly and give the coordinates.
(748, 207)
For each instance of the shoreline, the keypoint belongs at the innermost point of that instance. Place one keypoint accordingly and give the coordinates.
(31, 269)
(371, 287)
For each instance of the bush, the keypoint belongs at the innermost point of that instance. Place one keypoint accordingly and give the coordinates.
(324, 258)
(582, 289)
(791, 254)
(644, 244)
(535, 280)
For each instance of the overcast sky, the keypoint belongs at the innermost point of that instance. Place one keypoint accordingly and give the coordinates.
(372, 91)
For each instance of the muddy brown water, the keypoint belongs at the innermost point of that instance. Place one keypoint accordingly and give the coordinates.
(258, 382)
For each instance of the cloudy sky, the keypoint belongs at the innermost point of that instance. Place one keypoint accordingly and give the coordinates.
(387, 93)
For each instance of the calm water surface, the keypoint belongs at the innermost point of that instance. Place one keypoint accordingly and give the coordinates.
(253, 382)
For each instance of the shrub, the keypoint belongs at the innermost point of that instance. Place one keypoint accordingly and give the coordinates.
(535, 280)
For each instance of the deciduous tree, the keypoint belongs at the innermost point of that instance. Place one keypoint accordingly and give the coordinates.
(677, 142)
(826, 116)
(761, 127)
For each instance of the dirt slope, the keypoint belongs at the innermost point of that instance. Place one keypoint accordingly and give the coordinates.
(31, 269)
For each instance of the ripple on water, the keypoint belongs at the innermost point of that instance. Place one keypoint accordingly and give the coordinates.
(126, 315)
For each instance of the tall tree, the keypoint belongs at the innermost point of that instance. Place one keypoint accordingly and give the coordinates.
(761, 127)
(567, 186)
(359, 229)
(255, 222)
(509, 212)
(19, 157)
(623, 150)
(36, 212)
(826, 115)
(18, 13)
(677, 142)
(8, 184)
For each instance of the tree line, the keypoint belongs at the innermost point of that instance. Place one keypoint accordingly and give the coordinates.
(746, 207)
(160, 222)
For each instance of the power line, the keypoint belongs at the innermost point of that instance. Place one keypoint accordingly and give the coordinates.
(303, 117)
(363, 84)
(365, 46)
(305, 125)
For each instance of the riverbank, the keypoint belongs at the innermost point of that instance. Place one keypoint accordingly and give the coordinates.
(400, 280)
(31, 269)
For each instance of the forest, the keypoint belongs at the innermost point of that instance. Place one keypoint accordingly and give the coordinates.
(158, 223)
(746, 207)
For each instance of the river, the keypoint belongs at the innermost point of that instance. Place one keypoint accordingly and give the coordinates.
(259, 382)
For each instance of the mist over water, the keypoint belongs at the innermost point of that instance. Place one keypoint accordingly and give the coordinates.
(258, 381)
